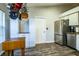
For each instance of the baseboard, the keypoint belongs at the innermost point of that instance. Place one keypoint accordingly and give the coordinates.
(46, 42)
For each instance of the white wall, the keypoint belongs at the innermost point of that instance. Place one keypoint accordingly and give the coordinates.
(14, 28)
(51, 14)
(32, 31)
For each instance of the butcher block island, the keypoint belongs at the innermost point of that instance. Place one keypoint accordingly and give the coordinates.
(12, 44)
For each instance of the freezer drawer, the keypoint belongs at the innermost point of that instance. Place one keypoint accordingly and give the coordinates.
(71, 40)
(59, 39)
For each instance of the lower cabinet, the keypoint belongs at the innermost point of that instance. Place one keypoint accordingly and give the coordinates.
(59, 39)
(77, 42)
(71, 40)
(29, 40)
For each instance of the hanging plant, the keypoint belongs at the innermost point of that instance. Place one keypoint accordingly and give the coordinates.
(18, 5)
(14, 10)
(15, 7)
(13, 15)
(24, 14)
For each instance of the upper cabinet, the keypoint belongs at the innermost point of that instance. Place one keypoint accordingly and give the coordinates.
(64, 18)
(72, 15)
(73, 19)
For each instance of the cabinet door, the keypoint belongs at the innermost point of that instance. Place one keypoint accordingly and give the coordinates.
(77, 42)
(68, 39)
(59, 39)
(71, 40)
(65, 17)
(73, 19)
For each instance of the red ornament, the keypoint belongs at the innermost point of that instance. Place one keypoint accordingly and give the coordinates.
(18, 5)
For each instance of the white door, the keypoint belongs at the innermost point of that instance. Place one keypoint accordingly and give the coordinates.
(40, 31)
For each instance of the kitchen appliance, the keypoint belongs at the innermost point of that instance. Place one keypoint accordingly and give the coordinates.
(71, 40)
(61, 28)
(72, 29)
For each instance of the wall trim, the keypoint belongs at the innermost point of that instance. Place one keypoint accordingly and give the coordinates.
(45, 42)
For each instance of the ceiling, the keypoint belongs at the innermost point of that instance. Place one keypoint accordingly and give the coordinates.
(48, 4)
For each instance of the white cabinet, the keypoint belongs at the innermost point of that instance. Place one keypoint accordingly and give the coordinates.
(27, 40)
(30, 37)
(73, 19)
(77, 42)
(72, 16)
(65, 18)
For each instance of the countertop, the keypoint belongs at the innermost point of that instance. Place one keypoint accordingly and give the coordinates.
(15, 39)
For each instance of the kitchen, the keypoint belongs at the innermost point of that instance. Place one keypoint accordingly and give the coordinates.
(68, 29)
(38, 32)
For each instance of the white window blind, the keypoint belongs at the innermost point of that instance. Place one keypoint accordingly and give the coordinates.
(2, 26)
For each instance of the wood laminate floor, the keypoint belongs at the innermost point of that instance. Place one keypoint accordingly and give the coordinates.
(49, 49)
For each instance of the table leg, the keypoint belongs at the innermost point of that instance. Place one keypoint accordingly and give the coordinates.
(7, 53)
(12, 53)
(23, 51)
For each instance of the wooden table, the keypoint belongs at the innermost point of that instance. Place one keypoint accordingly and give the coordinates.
(12, 44)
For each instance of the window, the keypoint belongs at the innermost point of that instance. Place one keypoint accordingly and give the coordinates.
(2, 26)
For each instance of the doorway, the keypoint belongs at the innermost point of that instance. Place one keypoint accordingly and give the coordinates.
(40, 30)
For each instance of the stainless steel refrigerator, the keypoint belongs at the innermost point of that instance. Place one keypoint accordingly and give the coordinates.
(60, 30)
